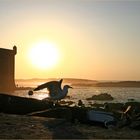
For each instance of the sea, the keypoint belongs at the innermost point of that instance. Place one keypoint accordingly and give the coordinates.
(120, 94)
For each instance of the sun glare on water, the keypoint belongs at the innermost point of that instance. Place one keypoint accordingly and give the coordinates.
(44, 55)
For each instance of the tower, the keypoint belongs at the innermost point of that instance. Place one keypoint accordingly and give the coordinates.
(7, 69)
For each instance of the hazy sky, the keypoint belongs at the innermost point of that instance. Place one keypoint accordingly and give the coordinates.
(96, 39)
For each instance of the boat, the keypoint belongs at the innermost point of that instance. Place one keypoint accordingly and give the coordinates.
(107, 119)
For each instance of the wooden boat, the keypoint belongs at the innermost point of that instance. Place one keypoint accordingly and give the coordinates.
(21, 105)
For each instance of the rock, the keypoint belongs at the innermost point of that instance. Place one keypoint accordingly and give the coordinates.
(80, 103)
(102, 96)
(30, 92)
(135, 125)
(131, 100)
(63, 102)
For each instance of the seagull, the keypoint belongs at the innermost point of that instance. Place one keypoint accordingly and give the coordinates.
(55, 91)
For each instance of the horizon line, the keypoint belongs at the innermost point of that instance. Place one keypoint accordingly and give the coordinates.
(71, 79)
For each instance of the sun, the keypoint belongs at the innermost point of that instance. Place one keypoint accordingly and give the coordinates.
(44, 54)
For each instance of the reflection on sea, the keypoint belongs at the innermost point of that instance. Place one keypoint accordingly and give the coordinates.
(119, 94)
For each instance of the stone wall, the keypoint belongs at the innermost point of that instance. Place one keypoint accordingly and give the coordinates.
(7, 69)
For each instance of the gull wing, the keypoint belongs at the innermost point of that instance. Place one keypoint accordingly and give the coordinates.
(52, 86)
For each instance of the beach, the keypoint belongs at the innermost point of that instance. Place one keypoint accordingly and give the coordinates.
(27, 118)
(31, 127)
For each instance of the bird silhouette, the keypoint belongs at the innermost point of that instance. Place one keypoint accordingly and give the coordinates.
(55, 91)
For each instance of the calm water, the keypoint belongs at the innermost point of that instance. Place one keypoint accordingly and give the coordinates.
(120, 94)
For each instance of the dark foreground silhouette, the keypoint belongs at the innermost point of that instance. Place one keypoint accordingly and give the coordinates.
(128, 112)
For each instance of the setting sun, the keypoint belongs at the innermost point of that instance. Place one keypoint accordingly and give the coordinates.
(43, 55)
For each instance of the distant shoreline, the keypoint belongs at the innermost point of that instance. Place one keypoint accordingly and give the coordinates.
(111, 84)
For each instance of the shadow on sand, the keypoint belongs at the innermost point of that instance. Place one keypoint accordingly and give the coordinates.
(62, 129)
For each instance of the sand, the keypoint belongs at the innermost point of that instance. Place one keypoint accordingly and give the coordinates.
(31, 127)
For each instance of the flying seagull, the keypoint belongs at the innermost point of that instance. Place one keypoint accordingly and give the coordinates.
(55, 90)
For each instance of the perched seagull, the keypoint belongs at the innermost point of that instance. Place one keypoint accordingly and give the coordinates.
(55, 90)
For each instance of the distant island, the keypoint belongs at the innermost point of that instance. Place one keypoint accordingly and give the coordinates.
(89, 83)
(119, 84)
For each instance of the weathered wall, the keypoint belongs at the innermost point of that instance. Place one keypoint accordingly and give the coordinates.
(7, 69)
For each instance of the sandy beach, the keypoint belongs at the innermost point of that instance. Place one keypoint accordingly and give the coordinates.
(31, 127)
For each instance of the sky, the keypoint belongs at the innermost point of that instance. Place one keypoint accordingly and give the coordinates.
(95, 39)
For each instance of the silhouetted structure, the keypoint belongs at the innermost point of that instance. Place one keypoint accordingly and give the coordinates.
(7, 69)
